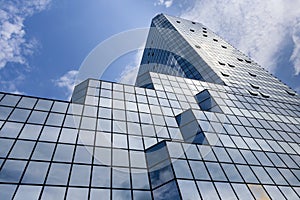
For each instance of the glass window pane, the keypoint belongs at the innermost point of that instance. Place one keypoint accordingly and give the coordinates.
(68, 135)
(43, 105)
(77, 193)
(250, 158)
(10, 129)
(199, 170)
(7, 191)
(5, 145)
(175, 150)
(88, 123)
(10, 100)
(191, 151)
(134, 128)
(242, 191)
(137, 159)
(49, 134)
(58, 174)
(35, 172)
(236, 156)
(275, 159)
(43, 151)
(262, 175)
(221, 154)
(167, 191)
(102, 156)
(290, 177)
(188, 189)
(120, 141)
(28, 192)
(96, 193)
(276, 176)
(264, 160)
(215, 171)
(101, 176)
(288, 192)
(135, 142)
(104, 125)
(104, 112)
(64, 153)
(121, 194)
(207, 190)
(55, 119)
(142, 195)
(60, 107)
(83, 154)
(120, 178)
(247, 174)
(12, 171)
(274, 192)
(206, 153)
(225, 191)
(50, 193)
(38, 117)
(86, 137)
(181, 169)
(80, 175)
(120, 157)
(226, 140)
(139, 179)
(30, 132)
(232, 173)
(258, 192)
(4, 112)
(22, 149)
(103, 139)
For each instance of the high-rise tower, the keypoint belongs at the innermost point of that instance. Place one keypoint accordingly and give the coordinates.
(204, 121)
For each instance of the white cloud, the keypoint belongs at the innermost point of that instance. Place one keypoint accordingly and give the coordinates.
(11, 85)
(258, 28)
(67, 81)
(295, 58)
(13, 45)
(166, 3)
(128, 75)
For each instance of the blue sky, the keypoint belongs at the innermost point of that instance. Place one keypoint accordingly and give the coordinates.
(44, 42)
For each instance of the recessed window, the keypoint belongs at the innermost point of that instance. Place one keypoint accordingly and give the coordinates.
(253, 93)
(248, 61)
(193, 22)
(251, 74)
(178, 22)
(204, 31)
(264, 95)
(197, 46)
(223, 46)
(192, 30)
(152, 53)
(204, 28)
(254, 86)
(239, 59)
(204, 35)
(230, 65)
(215, 40)
(291, 93)
(224, 74)
(221, 63)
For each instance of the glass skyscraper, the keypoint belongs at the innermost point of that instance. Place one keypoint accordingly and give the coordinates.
(203, 121)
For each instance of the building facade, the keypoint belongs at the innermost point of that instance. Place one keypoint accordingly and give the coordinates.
(203, 121)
